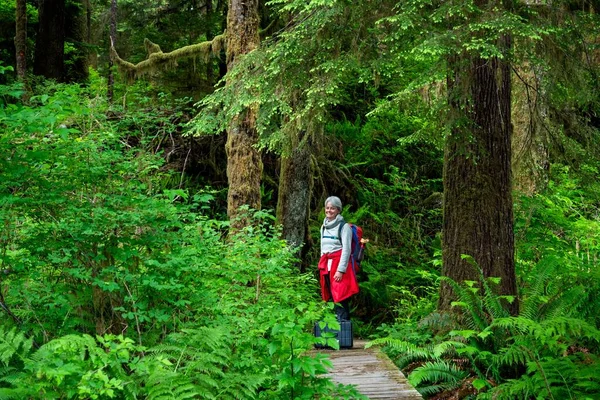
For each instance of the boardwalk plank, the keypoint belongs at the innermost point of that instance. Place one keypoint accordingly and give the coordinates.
(371, 372)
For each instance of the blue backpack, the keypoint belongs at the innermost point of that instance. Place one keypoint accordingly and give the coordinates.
(357, 252)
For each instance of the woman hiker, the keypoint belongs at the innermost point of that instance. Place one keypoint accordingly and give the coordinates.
(338, 279)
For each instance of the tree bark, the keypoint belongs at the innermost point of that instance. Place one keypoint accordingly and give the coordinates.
(210, 34)
(113, 43)
(50, 41)
(295, 188)
(244, 164)
(478, 215)
(76, 33)
(21, 39)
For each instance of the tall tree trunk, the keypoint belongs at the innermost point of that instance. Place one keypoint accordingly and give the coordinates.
(92, 56)
(76, 32)
(210, 34)
(113, 43)
(295, 187)
(478, 215)
(21, 39)
(244, 164)
(50, 41)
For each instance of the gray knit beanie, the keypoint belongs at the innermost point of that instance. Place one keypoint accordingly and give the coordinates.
(335, 201)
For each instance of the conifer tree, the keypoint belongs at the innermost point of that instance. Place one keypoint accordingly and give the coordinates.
(50, 41)
(21, 38)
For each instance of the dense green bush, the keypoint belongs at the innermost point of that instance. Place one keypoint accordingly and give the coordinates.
(118, 286)
(551, 349)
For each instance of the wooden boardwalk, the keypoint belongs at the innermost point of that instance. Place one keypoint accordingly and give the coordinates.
(371, 371)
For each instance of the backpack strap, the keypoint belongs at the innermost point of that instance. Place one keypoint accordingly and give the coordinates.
(342, 223)
(351, 258)
(339, 236)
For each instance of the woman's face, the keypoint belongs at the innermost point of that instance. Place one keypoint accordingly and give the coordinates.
(331, 212)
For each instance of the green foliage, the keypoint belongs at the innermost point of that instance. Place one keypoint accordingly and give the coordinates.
(504, 356)
(14, 347)
(300, 73)
(557, 244)
(438, 371)
(104, 245)
(72, 366)
(95, 241)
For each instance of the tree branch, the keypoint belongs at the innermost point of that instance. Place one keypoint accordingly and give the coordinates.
(157, 59)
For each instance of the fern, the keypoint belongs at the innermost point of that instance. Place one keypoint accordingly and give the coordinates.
(469, 299)
(433, 389)
(546, 299)
(168, 385)
(447, 348)
(410, 352)
(18, 393)
(14, 344)
(15, 353)
(200, 361)
(441, 374)
(241, 386)
(540, 353)
(523, 388)
(537, 294)
(402, 346)
(513, 355)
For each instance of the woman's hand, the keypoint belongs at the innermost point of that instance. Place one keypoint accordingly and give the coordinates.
(338, 276)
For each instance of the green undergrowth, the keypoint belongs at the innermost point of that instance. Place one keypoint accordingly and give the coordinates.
(551, 349)
(116, 284)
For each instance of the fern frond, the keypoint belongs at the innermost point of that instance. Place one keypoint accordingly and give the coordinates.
(513, 356)
(431, 390)
(205, 355)
(75, 345)
(438, 322)
(6, 371)
(570, 327)
(588, 376)
(537, 293)
(522, 388)
(405, 347)
(13, 343)
(515, 325)
(435, 372)
(241, 386)
(447, 348)
(491, 300)
(166, 385)
(18, 393)
(474, 316)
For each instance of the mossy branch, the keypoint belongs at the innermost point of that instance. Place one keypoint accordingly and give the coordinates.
(157, 59)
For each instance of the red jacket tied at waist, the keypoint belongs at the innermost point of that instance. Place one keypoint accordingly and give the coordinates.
(343, 289)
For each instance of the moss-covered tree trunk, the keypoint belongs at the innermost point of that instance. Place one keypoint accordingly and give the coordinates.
(295, 188)
(244, 164)
(21, 38)
(50, 41)
(478, 214)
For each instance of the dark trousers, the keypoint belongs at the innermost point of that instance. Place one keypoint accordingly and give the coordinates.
(341, 309)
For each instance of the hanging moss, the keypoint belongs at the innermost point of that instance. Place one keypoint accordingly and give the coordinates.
(158, 60)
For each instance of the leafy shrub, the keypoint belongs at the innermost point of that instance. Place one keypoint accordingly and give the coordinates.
(119, 287)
